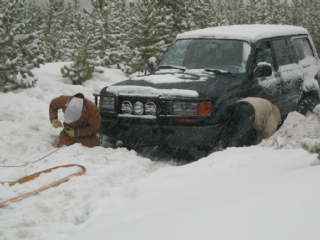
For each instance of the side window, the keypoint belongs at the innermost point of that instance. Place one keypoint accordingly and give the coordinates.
(282, 52)
(264, 53)
(303, 48)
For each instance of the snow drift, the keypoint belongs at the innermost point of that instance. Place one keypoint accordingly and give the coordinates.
(268, 191)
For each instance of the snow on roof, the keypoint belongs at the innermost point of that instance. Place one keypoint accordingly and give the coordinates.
(248, 32)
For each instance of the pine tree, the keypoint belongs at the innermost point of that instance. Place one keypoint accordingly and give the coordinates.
(241, 13)
(221, 13)
(182, 14)
(119, 53)
(311, 20)
(151, 33)
(205, 13)
(164, 27)
(106, 33)
(20, 50)
(276, 12)
(125, 28)
(83, 53)
(255, 12)
(72, 19)
(34, 13)
(53, 34)
(295, 10)
(230, 8)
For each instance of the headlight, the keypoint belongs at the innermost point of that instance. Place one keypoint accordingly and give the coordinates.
(107, 103)
(184, 108)
(191, 108)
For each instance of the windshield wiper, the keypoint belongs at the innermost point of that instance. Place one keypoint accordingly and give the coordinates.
(172, 67)
(218, 71)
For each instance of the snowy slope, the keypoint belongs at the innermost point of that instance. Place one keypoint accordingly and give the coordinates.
(262, 192)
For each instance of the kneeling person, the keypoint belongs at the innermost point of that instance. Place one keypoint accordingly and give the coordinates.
(256, 119)
(81, 120)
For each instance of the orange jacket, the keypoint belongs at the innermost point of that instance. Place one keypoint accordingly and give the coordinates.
(89, 122)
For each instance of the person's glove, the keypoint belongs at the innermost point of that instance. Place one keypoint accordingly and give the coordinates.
(69, 131)
(56, 123)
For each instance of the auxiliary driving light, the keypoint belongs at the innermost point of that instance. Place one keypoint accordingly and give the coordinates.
(126, 107)
(138, 108)
(150, 108)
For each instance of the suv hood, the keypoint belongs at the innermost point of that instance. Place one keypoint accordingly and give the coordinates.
(195, 84)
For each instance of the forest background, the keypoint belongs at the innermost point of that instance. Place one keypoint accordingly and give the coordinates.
(121, 34)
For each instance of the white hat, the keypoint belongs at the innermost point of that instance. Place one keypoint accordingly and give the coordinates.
(73, 110)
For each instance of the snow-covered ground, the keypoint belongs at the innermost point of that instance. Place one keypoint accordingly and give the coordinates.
(268, 191)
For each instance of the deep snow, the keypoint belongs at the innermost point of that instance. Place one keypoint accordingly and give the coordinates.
(268, 191)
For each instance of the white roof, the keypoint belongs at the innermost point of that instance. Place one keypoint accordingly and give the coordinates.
(248, 32)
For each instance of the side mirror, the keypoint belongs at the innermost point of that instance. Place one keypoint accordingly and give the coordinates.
(152, 64)
(263, 69)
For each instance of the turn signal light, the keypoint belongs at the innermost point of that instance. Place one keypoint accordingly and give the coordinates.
(204, 108)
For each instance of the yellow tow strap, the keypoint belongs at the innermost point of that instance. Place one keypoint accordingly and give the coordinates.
(37, 174)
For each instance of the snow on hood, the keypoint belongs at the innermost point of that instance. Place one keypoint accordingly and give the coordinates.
(170, 78)
(150, 91)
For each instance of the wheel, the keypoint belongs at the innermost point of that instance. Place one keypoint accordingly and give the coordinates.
(244, 133)
(308, 103)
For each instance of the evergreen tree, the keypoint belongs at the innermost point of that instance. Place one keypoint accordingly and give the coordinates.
(105, 32)
(20, 50)
(53, 34)
(295, 16)
(311, 20)
(125, 29)
(241, 13)
(126, 34)
(182, 11)
(229, 8)
(119, 53)
(83, 53)
(221, 13)
(275, 12)
(73, 22)
(204, 14)
(151, 33)
(164, 26)
(254, 12)
(34, 13)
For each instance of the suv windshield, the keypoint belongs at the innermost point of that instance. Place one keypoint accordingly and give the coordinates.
(217, 54)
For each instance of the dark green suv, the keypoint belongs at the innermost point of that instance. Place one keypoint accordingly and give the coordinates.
(187, 101)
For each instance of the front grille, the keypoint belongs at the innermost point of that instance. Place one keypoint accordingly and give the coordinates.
(149, 106)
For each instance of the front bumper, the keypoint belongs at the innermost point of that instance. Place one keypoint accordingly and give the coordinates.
(149, 132)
